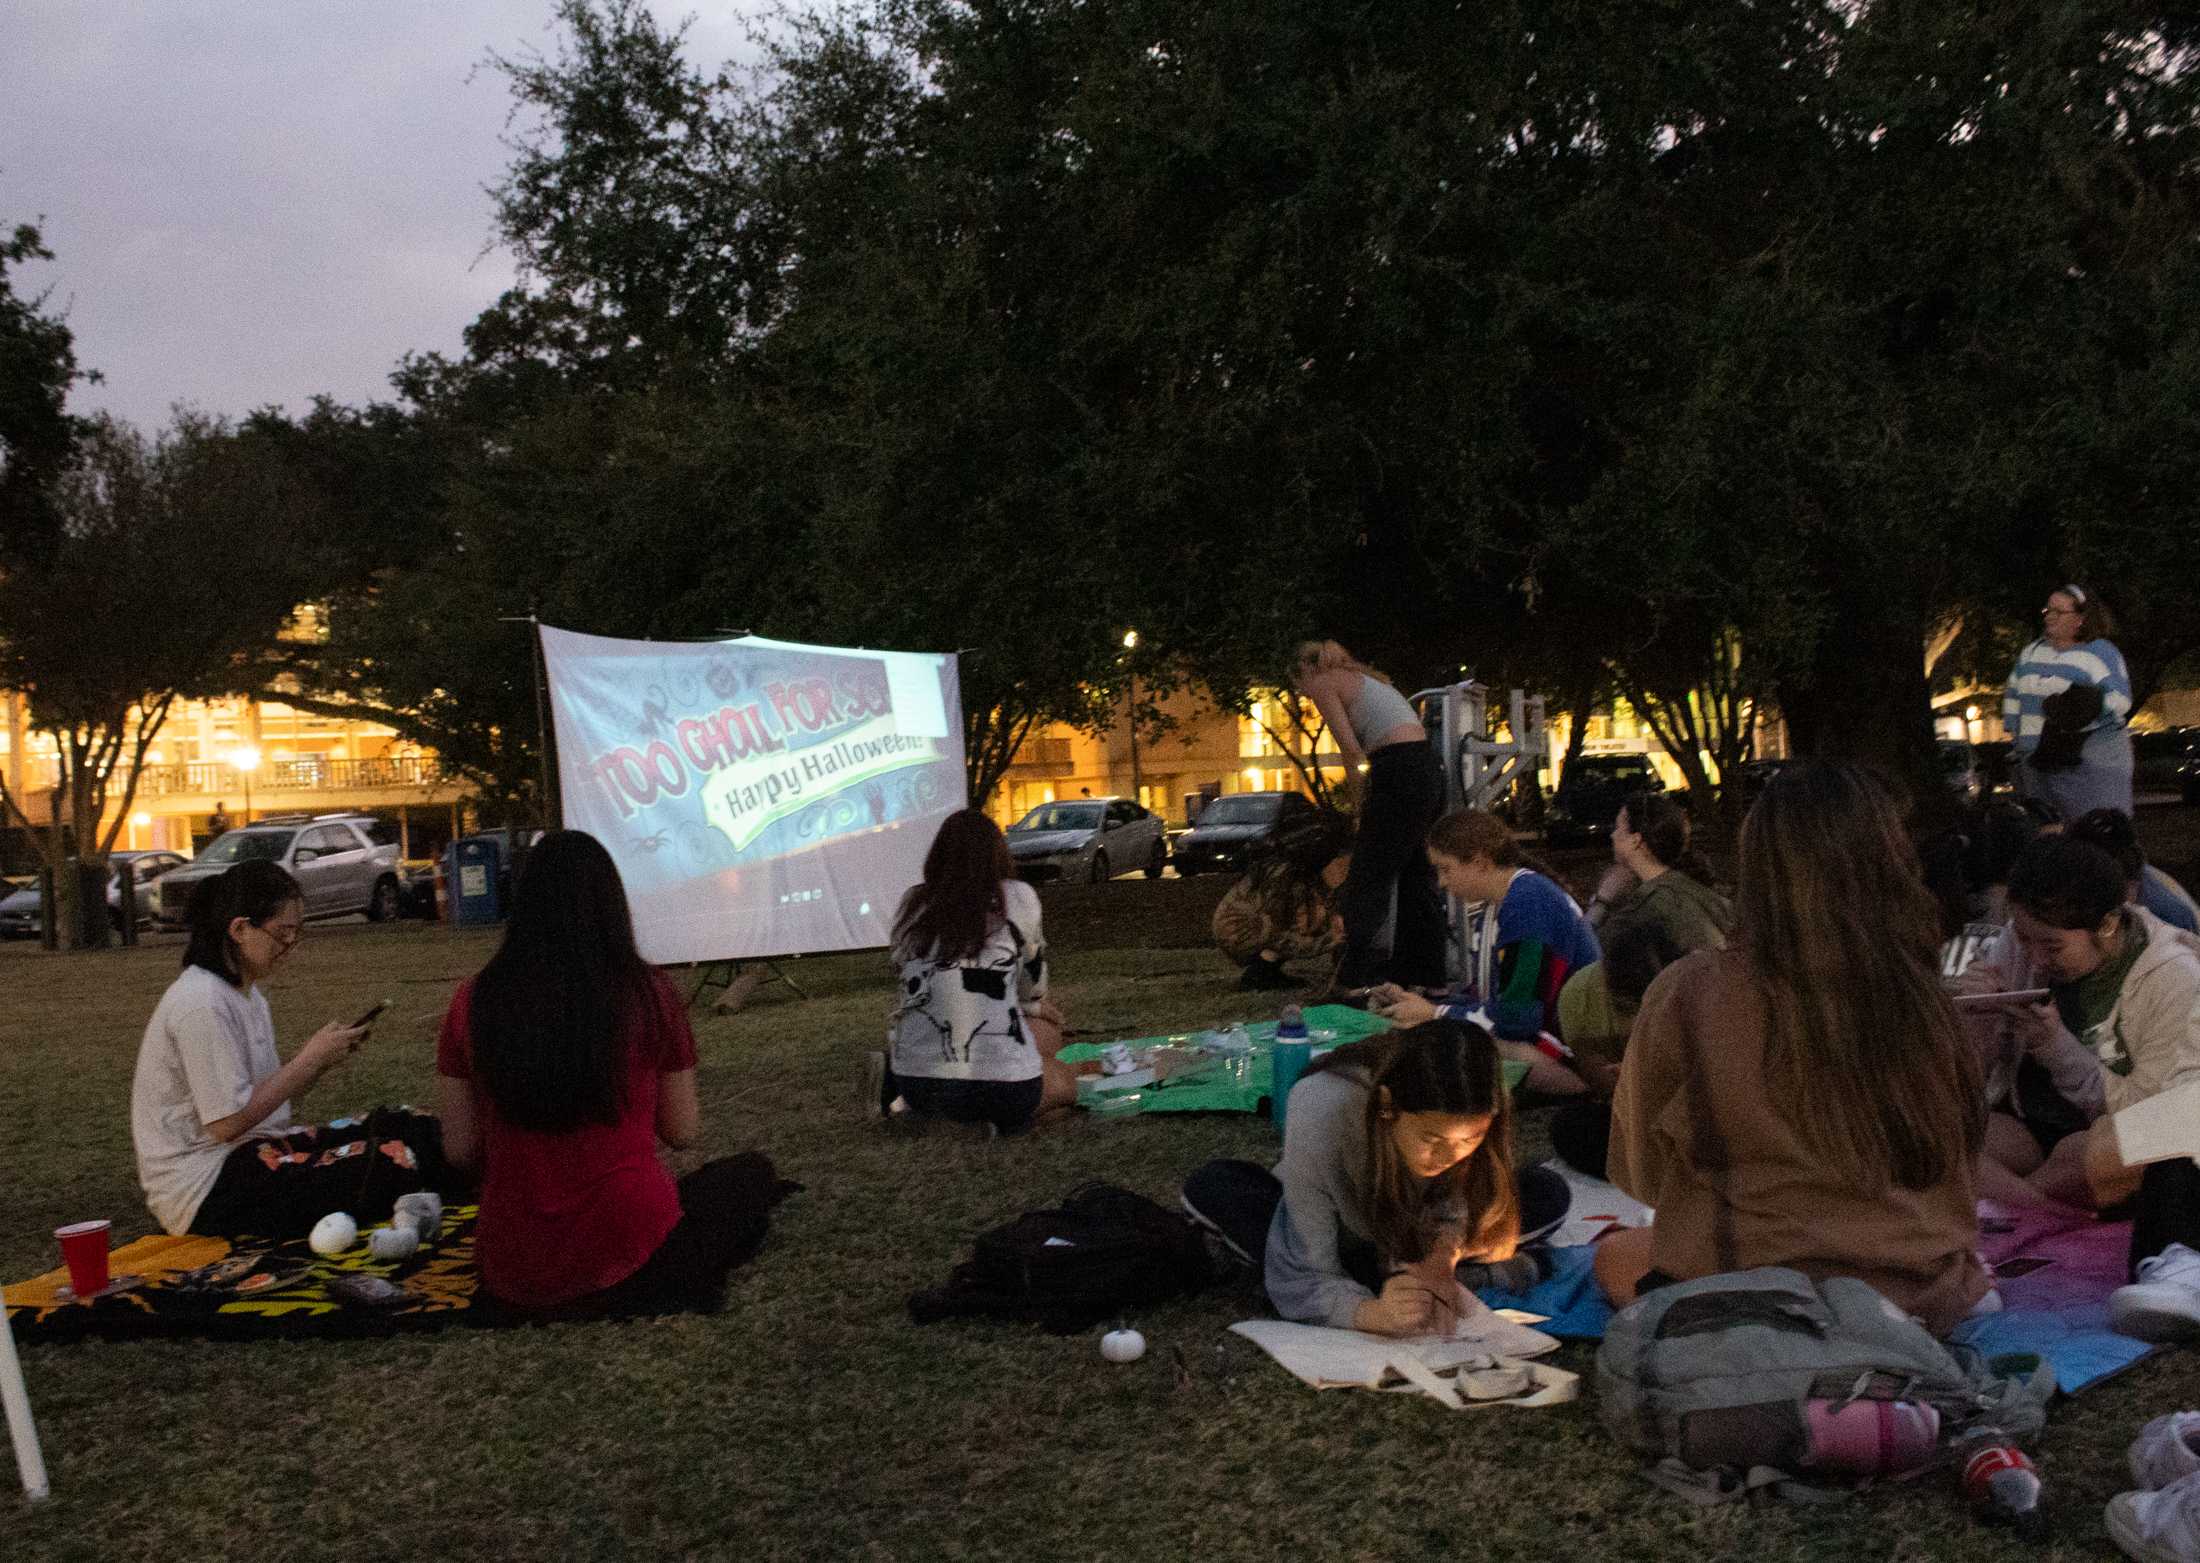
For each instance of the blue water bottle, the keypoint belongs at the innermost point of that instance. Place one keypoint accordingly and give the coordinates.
(1287, 1060)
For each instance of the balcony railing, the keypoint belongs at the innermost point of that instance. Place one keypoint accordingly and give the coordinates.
(1050, 754)
(213, 779)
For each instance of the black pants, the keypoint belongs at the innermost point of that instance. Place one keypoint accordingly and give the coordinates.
(278, 1187)
(725, 1212)
(1405, 792)
(1581, 1136)
(2168, 1209)
(1239, 1199)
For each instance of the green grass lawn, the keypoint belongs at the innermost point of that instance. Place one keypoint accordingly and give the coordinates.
(811, 1419)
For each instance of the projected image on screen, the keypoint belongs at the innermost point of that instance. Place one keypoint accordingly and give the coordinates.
(760, 797)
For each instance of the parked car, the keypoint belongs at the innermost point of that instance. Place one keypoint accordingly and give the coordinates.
(1591, 792)
(344, 863)
(22, 916)
(2167, 761)
(1088, 838)
(1230, 830)
(1960, 769)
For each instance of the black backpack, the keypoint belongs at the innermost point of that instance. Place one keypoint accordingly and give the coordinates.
(1103, 1250)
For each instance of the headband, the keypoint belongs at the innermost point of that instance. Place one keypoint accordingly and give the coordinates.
(2076, 594)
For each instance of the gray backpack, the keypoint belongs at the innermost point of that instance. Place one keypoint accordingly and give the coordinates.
(1711, 1378)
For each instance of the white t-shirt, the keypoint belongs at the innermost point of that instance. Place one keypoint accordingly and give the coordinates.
(206, 1047)
(964, 1020)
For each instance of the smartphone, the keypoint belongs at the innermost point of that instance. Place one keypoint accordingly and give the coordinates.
(372, 1015)
(1994, 1000)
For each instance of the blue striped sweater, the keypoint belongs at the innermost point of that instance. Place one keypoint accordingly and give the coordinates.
(2042, 671)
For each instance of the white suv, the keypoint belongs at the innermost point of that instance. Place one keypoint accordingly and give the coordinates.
(343, 863)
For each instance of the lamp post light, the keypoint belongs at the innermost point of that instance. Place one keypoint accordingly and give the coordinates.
(1130, 644)
(246, 761)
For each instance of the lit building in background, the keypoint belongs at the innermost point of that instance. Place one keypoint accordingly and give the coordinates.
(209, 754)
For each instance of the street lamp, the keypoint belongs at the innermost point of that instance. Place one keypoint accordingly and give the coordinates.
(246, 761)
(1130, 644)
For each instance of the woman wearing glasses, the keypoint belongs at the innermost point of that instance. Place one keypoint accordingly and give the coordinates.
(218, 1151)
(2065, 708)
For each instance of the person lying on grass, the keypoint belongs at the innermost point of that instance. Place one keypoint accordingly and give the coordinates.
(2121, 1022)
(1526, 937)
(1807, 1096)
(1397, 1166)
(563, 1063)
(974, 1037)
(218, 1150)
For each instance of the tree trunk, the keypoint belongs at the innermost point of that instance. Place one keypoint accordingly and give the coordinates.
(1865, 698)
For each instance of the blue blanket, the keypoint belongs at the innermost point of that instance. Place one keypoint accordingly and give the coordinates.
(2054, 1282)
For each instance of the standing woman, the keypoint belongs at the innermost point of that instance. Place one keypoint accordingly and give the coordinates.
(974, 1036)
(563, 1063)
(1807, 1097)
(1381, 737)
(218, 1151)
(2065, 707)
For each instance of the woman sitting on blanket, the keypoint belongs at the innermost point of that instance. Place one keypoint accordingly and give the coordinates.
(1397, 1166)
(218, 1151)
(2120, 1023)
(1526, 936)
(974, 1036)
(563, 1063)
(1807, 1097)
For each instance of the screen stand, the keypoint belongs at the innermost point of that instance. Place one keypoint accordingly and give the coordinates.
(740, 979)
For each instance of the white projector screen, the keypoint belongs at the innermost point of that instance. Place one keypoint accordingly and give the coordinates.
(760, 797)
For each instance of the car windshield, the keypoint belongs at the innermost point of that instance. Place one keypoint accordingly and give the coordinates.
(1594, 773)
(1240, 811)
(247, 846)
(1062, 816)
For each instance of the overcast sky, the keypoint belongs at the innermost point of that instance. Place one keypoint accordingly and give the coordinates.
(251, 201)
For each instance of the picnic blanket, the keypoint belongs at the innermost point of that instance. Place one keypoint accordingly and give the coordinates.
(252, 1289)
(244, 1288)
(2054, 1272)
(1177, 1076)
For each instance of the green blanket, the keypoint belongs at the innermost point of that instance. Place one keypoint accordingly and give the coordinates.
(1223, 1084)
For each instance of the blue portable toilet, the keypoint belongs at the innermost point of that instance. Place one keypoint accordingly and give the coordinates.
(475, 864)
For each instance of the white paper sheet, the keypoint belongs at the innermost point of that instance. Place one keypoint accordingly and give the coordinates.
(1457, 1370)
(2162, 1128)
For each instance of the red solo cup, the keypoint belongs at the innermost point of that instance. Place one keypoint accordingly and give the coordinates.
(84, 1250)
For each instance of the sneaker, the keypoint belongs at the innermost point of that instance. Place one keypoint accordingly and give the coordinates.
(2167, 1449)
(2164, 1303)
(2158, 1527)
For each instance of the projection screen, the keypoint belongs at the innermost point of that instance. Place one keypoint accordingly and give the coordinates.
(760, 797)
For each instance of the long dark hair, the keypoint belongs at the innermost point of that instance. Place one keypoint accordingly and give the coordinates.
(254, 891)
(554, 1012)
(1439, 1066)
(1663, 822)
(953, 912)
(1865, 1053)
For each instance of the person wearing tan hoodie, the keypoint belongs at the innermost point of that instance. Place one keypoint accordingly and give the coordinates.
(1807, 1097)
(2121, 1023)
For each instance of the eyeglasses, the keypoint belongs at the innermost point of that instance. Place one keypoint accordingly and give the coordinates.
(2050, 611)
(285, 936)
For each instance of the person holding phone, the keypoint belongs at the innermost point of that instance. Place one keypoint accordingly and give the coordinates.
(218, 1149)
(2120, 1022)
